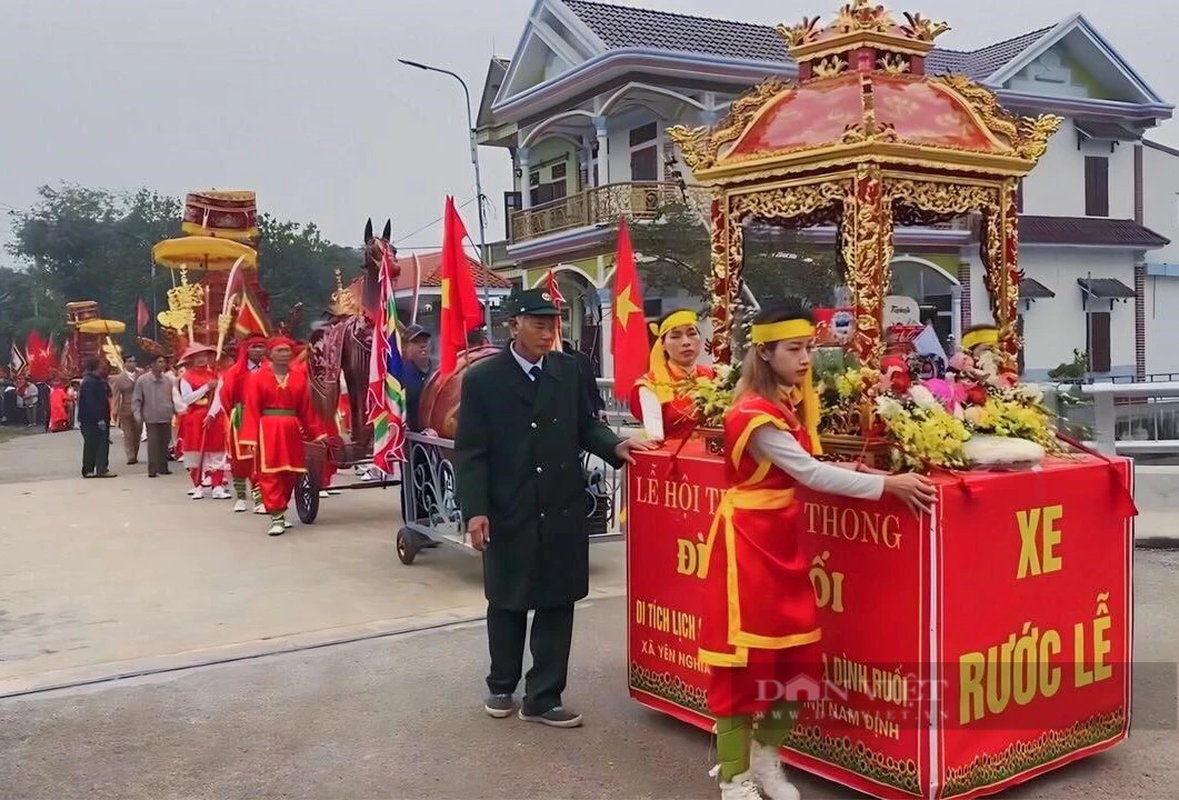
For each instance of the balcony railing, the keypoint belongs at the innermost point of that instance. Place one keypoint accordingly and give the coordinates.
(601, 204)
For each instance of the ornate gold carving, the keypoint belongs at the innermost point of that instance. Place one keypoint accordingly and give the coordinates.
(183, 300)
(859, 15)
(787, 203)
(344, 302)
(866, 238)
(830, 67)
(893, 63)
(1034, 133)
(700, 147)
(922, 29)
(951, 199)
(1028, 136)
(804, 32)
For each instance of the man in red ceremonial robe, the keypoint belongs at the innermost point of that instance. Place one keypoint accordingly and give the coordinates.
(202, 427)
(278, 420)
(232, 398)
(59, 413)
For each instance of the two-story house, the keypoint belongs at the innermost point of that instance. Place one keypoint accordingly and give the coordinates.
(584, 104)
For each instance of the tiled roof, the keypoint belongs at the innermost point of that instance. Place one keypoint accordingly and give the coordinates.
(623, 26)
(1088, 230)
(431, 266)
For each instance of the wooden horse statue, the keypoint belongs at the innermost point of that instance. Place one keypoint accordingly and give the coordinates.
(343, 343)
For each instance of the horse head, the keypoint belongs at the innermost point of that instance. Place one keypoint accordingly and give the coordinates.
(374, 252)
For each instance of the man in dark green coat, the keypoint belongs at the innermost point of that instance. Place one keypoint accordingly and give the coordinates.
(522, 424)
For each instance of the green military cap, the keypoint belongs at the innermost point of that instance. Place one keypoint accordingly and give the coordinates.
(534, 302)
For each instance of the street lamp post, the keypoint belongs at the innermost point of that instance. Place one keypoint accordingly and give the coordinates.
(478, 183)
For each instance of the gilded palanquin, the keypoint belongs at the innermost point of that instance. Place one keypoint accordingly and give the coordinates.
(866, 140)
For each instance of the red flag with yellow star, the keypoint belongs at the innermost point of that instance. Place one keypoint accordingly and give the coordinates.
(628, 344)
(461, 313)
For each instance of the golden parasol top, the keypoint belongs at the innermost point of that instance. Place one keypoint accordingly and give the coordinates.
(102, 327)
(203, 252)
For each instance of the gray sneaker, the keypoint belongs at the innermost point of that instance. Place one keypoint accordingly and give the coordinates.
(499, 705)
(556, 717)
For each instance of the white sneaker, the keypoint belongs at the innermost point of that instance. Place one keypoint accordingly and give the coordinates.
(323, 493)
(197, 494)
(277, 526)
(239, 507)
(286, 525)
(766, 769)
(742, 787)
(260, 509)
(221, 493)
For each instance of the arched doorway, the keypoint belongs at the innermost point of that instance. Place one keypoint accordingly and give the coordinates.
(937, 292)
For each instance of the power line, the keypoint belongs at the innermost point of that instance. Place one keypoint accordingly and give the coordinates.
(429, 225)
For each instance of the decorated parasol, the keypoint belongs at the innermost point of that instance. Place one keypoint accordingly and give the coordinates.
(207, 253)
(106, 328)
(210, 255)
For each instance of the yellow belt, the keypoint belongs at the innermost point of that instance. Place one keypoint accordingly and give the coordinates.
(745, 500)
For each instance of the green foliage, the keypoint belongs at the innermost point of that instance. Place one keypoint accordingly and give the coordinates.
(1074, 370)
(673, 252)
(80, 243)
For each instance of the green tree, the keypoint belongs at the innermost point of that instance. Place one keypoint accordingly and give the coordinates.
(80, 243)
(673, 252)
(298, 266)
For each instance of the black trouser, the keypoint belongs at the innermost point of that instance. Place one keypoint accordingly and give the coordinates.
(159, 434)
(552, 635)
(96, 448)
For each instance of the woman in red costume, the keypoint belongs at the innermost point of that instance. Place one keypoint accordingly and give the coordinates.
(202, 428)
(251, 353)
(660, 398)
(760, 626)
(278, 420)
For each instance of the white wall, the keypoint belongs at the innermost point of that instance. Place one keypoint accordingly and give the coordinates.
(1162, 324)
(1056, 187)
(1160, 200)
(1054, 327)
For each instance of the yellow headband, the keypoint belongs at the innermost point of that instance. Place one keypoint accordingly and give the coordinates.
(987, 336)
(786, 329)
(675, 320)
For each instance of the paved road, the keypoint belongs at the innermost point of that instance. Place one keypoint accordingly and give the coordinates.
(103, 577)
(400, 717)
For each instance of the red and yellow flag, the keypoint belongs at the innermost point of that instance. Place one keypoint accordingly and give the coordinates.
(460, 305)
(628, 344)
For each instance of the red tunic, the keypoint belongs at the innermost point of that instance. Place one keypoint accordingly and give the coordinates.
(757, 591)
(233, 399)
(192, 424)
(679, 415)
(59, 415)
(278, 419)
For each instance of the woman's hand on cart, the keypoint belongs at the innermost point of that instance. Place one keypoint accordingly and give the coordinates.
(479, 532)
(624, 448)
(915, 491)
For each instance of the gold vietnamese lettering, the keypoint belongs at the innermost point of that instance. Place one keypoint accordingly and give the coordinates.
(713, 496)
(828, 587)
(646, 491)
(851, 675)
(690, 556)
(854, 524)
(1039, 535)
(1101, 646)
(1019, 669)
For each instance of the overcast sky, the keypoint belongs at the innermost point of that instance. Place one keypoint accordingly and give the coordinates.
(303, 101)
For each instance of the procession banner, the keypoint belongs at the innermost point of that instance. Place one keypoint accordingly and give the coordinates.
(1035, 602)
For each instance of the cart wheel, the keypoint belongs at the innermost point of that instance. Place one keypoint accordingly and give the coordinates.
(407, 546)
(307, 499)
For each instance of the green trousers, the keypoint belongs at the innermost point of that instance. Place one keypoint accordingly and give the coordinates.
(734, 736)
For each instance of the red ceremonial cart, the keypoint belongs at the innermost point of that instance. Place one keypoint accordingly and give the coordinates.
(962, 652)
